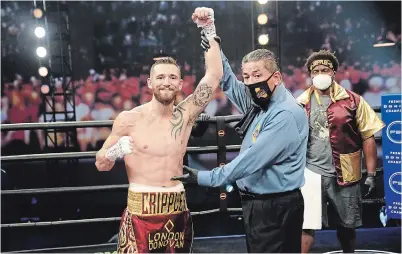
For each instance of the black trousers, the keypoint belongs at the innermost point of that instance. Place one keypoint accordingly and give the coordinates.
(273, 222)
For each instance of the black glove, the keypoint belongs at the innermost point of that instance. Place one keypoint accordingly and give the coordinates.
(205, 42)
(370, 183)
(190, 176)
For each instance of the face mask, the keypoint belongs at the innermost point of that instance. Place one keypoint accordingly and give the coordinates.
(260, 93)
(322, 81)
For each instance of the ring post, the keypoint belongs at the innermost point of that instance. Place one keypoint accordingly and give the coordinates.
(221, 158)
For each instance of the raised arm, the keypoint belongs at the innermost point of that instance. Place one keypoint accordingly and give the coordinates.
(203, 94)
(121, 126)
(234, 89)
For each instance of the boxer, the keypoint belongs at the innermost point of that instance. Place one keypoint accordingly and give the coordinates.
(152, 139)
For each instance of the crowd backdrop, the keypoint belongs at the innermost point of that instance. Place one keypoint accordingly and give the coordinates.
(113, 44)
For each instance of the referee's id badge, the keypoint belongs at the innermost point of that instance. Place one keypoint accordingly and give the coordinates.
(255, 133)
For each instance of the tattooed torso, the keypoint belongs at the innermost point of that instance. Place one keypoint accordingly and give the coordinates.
(161, 142)
(159, 146)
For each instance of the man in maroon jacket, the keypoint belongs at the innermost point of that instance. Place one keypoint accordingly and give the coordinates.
(342, 125)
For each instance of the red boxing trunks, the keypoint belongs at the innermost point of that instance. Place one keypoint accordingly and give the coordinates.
(156, 220)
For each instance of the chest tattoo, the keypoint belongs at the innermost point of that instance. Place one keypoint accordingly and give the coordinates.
(177, 121)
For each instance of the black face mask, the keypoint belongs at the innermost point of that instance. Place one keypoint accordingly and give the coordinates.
(260, 93)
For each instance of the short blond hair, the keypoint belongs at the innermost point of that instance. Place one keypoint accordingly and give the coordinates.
(165, 60)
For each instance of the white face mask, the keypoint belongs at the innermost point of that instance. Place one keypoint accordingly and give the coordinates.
(322, 81)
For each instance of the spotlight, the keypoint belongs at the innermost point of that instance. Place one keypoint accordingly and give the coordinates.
(38, 13)
(43, 71)
(41, 51)
(45, 89)
(263, 39)
(40, 32)
(384, 43)
(262, 19)
(263, 1)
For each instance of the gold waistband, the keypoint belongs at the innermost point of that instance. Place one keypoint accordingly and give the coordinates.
(156, 203)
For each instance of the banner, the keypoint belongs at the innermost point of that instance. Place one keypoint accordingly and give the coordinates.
(391, 153)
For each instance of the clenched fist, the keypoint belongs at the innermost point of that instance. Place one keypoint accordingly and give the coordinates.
(203, 16)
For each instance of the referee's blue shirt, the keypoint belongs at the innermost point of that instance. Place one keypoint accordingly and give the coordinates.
(273, 153)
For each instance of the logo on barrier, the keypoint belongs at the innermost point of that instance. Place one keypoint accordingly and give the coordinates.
(223, 196)
(221, 133)
(394, 131)
(395, 182)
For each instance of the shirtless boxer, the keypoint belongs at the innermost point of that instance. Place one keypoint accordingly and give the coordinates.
(153, 138)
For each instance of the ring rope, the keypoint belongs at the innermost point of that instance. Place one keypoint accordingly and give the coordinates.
(56, 125)
(65, 189)
(107, 123)
(88, 124)
(65, 222)
(75, 248)
(76, 189)
(216, 211)
(86, 155)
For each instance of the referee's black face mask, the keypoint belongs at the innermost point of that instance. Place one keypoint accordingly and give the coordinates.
(260, 92)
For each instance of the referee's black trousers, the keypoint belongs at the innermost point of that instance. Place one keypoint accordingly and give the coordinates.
(273, 222)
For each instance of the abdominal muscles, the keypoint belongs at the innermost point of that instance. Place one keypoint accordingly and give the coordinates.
(155, 159)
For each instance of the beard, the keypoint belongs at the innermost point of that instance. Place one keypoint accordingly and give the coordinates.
(165, 97)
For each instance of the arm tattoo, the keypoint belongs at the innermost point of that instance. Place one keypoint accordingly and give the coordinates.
(177, 121)
(200, 98)
(202, 94)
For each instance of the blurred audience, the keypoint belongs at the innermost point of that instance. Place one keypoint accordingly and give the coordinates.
(131, 35)
(349, 29)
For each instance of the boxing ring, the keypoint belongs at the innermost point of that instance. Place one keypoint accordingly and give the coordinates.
(385, 239)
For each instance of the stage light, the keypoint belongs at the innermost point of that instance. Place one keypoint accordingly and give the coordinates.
(38, 13)
(43, 71)
(40, 32)
(263, 1)
(384, 43)
(45, 89)
(41, 51)
(263, 39)
(262, 19)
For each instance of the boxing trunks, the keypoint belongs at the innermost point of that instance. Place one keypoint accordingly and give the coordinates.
(156, 220)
